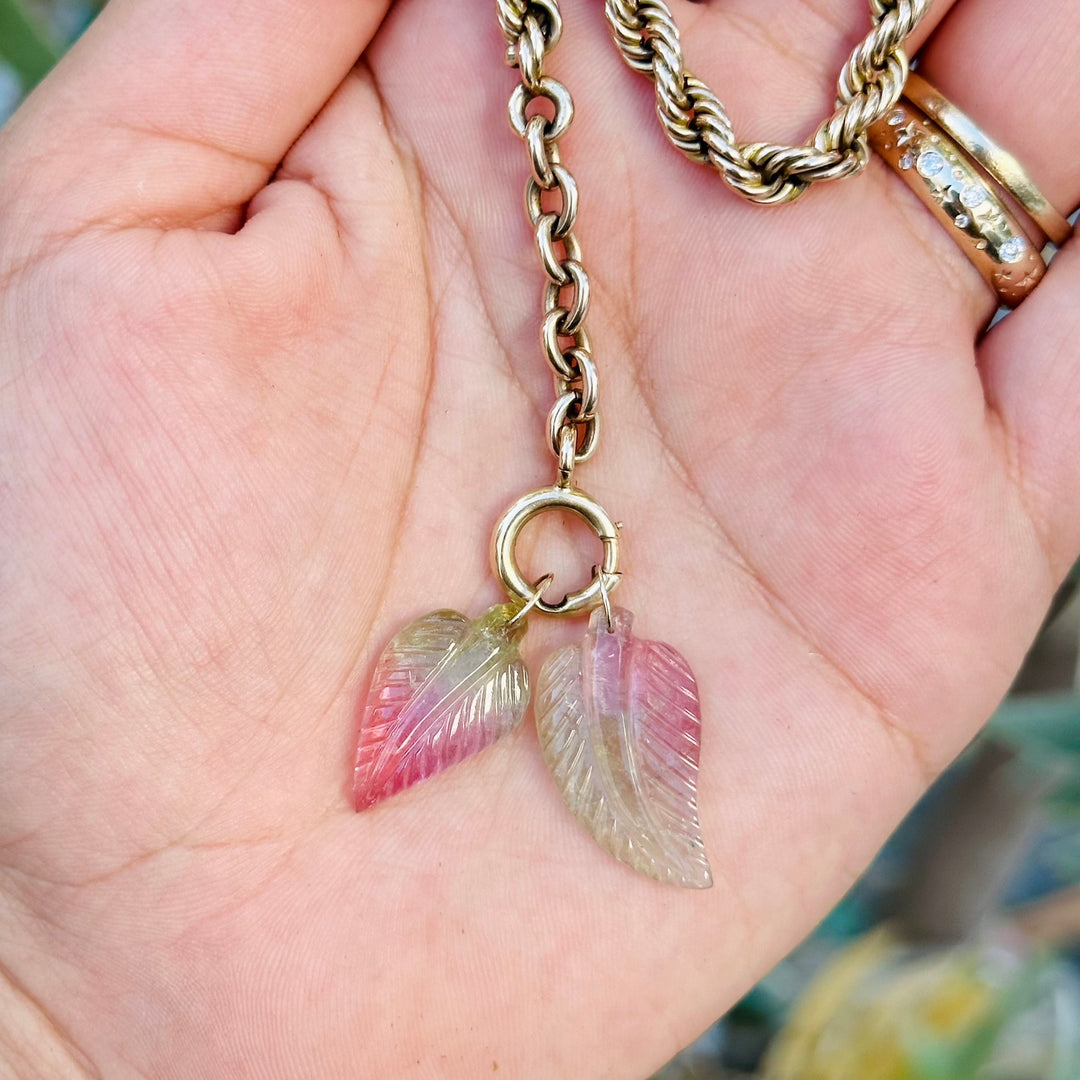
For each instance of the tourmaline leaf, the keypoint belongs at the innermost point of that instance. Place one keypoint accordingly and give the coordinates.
(620, 726)
(445, 687)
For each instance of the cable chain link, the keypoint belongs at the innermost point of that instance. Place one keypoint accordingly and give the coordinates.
(532, 28)
(696, 121)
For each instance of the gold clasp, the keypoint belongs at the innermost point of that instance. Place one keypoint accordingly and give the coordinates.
(514, 519)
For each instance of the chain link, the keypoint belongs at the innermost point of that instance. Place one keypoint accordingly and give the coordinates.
(532, 28)
(696, 121)
(698, 124)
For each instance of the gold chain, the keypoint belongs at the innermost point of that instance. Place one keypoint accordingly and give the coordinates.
(532, 28)
(698, 124)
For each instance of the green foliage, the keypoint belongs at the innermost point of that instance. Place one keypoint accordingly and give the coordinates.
(24, 44)
(1044, 730)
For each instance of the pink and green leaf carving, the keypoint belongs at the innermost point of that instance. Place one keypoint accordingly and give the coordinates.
(620, 727)
(445, 688)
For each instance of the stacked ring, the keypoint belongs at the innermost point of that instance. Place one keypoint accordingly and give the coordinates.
(993, 157)
(962, 175)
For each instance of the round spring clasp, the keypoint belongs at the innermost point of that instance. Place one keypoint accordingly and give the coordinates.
(519, 514)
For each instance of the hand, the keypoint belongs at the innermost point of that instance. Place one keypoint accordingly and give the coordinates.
(270, 373)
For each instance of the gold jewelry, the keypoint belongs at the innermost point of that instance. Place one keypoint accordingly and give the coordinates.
(993, 157)
(963, 199)
(618, 718)
(696, 121)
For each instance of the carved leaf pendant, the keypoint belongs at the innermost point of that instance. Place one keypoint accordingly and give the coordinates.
(445, 687)
(620, 726)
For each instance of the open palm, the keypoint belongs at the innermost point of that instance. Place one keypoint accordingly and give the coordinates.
(269, 373)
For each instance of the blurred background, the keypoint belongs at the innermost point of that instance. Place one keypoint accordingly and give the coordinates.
(33, 34)
(957, 956)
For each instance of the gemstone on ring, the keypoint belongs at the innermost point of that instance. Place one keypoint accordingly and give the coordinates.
(1013, 249)
(973, 196)
(930, 163)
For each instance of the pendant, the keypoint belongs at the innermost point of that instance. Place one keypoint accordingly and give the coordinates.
(445, 688)
(618, 718)
(620, 727)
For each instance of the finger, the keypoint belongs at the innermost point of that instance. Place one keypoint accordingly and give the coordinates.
(175, 112)
(1031, 369)
(337, 218)
(1019, 78)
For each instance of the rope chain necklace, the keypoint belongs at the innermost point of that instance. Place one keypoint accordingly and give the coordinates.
(618, 717)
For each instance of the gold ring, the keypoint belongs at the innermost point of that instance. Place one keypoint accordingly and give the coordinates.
(963, 199)
(991, 155)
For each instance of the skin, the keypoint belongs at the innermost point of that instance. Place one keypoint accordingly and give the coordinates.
(268, 375)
